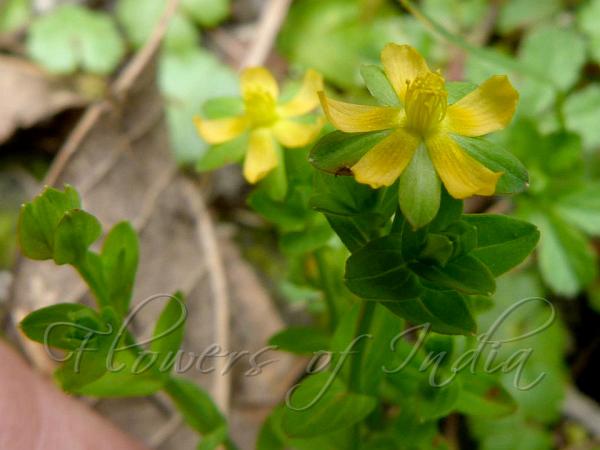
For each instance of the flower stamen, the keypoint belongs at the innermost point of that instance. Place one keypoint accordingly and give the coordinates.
(426, 103)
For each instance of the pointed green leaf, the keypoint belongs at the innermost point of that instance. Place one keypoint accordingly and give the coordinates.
(320, 405)
(74, 234)
(337, 152)
(379, 271)
(169, 332)
(420, 190)
(301, 340)
(120, 254)
(38, 221)
(503, 242)
(494, 157)
(378, 85)
(446, 311)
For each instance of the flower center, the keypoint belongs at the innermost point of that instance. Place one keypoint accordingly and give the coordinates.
(261, 108)
(426, 103)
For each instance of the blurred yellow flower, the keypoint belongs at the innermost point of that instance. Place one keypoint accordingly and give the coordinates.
(426, 118)
(267, 121)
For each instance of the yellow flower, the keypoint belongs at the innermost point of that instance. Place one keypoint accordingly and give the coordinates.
(268, 122)
(426, 118)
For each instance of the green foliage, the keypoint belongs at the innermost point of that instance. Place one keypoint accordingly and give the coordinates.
(581, 115)
(138, 19)
(301, 340)
(420, 190)
(102, 358)
(169, 331)
(322, 404)
(187, 78)
(206, 13)
(14, 14)
(558, 52)
(344, 39)
(120, 256)
(378, 85)
(40, 218)
(522, 13)
(72, 38)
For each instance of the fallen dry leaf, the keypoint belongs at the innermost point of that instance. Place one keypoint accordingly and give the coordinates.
(29, 96)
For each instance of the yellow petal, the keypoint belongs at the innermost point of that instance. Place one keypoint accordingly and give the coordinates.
(402, 64)
(462, 175)
(262, 155)
(385, 162)
(306, 99)
(295, 134)
(220, 130)
(488, 108)
(258, 80)
(358, 118)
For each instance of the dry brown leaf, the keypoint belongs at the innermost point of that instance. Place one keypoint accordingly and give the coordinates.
(29, 96)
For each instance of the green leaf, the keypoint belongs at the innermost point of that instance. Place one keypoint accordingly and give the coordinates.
(195, 405)
(187, 79)
(321, 405)
(301, 340)
(378, 85)
(385, 326)
(337, 152)
(379, 271)
(38, 221)
(120, 255)
(588, 16)
(63, 325)
(450, 211)
(213, 439)
(438, 249)
(313, 237)
(559, 53)
(72, 37)
(566, 260)
(138, 19)
(126, 370)
(459, 89)
(434, 402)
(502, 242)
(229, 152)
(446, 311)
(290, 215)
(270, 436)
(582, 115)
(90, 361)
(356, 212)
(483, 395)
(207, 13)
(582, 208)
(76, 231)
(463, 237)
(465, 274)
(420, 190)
(169, 332)
(523, 13)
(129, 381)
(494, 157)
(14, 14)
(336, 36)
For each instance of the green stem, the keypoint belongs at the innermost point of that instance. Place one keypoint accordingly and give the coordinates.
(196, 407)
(327, 287)
(362, 328)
